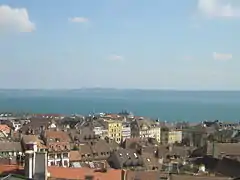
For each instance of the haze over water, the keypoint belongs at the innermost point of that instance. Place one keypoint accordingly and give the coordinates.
(165, 105)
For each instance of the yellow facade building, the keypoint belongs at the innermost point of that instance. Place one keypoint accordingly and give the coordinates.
(114, 130)
(174, 136)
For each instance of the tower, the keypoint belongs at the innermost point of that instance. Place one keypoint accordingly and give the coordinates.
(29, 158)
(35, 165)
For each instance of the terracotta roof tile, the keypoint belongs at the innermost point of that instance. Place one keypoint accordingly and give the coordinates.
(58, 146)
(81, 173)
(10, 168)
(5, 128)
(57, 135)
(75, 156)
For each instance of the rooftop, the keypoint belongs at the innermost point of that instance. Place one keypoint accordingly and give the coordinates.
(81, 173)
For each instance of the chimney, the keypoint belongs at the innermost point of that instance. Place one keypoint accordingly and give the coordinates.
(29, 164)
(35, 165)
(41, 166)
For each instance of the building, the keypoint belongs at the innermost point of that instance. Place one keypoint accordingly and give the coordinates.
(164, 135)
(35, 165)
(37, 125)
(170, 135)
(174, 136)
(10, 149)
(28, 140)
(126, 130)
(146, 129)
(14, 124)
(83, 174)
(5, 129)
(219, 150)
(58, 144)
(114, 128)
(155, 132)
(127, 159)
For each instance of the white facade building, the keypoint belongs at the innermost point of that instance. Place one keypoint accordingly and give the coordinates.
(126, 131)
(146, 129)
(155, 132)
(58, 159)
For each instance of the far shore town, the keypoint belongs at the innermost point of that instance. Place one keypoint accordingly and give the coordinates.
(116, 146)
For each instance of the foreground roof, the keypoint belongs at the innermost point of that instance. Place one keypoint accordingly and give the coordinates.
(81, 173)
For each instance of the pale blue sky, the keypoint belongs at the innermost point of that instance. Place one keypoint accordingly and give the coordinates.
(173, 44)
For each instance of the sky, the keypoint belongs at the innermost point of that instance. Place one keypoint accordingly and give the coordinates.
(155, 44)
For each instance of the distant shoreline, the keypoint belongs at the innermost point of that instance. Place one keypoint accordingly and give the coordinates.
(116, 89)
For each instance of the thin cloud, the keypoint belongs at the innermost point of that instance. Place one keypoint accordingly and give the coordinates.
(78, 20)
(15, 20)
(218, 8)
(222, 56)
(116, 57)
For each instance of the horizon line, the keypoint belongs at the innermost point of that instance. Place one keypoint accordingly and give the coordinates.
(121, 89)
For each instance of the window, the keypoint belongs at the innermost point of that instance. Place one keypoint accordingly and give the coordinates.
(58, 163)
(65, 155)
(65, 163)
(51, 156)
(52, 163)
(59, 156)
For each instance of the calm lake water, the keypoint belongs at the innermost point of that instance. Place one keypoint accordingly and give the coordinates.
(166, 105)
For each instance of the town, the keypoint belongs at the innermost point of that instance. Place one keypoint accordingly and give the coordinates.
(119, 146)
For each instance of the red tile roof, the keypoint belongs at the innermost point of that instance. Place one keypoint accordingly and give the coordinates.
(60, 135)
(10, 168)
(5, 128)
(80, 173)
(75, 156)
(58, 146)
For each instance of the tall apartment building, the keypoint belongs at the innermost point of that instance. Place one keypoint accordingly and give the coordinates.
(171, 135)
(126, 130)
(114, 128)
(146, 129)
